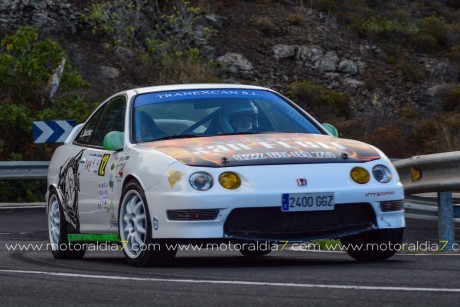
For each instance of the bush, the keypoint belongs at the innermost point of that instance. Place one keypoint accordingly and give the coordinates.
(266, 26)
(383, 26)
(451, 101)
(319, 100)
(23, 191)
(26, 65)
(455, 54)
(170, 41)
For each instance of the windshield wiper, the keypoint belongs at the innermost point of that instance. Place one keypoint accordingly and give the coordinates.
(178, 136)
(238, 133)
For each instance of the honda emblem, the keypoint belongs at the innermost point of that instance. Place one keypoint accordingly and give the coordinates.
(302, 182)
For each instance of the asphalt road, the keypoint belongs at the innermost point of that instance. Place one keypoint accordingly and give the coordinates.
(223, 278)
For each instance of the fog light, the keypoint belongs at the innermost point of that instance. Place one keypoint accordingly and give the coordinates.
(360, 175)
(395, 205)
(230, 180)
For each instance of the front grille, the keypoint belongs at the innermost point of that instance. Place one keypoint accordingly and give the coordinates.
(192, 215)
(272, 223)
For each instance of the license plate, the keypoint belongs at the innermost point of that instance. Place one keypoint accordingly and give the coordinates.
(307, 202)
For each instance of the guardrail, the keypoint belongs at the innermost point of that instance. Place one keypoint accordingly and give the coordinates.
(419, 174)
(18, 170)
(434, 173)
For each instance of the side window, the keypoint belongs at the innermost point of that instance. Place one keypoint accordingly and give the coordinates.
(111, 117)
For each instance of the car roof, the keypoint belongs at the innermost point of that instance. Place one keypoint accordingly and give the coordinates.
(195, 86)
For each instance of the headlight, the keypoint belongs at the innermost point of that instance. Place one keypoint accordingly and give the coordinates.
(230, 180)
(201, 181)
(381, 173)
(360, 175)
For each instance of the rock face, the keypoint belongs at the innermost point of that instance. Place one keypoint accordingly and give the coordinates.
(317, 50)
(284, 51)
(51, 17)
(235, 63)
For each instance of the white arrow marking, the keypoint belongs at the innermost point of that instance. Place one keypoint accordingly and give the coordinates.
(67, 129)
(46, 132)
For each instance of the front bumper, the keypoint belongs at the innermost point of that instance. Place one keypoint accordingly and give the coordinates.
(254, 218)
(253, 211)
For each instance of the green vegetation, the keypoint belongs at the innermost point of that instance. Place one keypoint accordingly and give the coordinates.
(451, 101)
(265, 26)
(163, 35)
(422, 25)
(382, 26)
(26, 66)
(320, 101)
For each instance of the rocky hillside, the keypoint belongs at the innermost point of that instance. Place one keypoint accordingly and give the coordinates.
(385, 72)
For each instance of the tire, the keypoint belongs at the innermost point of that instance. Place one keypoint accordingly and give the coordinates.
(135, 228)
(255, 249)
(57, 232)
(374, 245)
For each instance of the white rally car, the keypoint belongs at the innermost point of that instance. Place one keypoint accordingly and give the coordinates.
(207, 163)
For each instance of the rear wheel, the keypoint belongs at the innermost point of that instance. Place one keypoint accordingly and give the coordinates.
(374, 245)
(135, 228)
(57, 231)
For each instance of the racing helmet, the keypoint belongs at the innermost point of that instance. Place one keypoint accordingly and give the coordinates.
(239, 117)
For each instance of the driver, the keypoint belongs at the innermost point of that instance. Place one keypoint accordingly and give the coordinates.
(239, 117)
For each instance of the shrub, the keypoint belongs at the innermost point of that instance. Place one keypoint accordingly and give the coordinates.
(295, 19)
(26, 64)
(383, 26)
(266, 26)
(455, 53)
(120, 20)
(409, 71)
(436, 28)
(320, 100)
(451, 101)
(171, 40)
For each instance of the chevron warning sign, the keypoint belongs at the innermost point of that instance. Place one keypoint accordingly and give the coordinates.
(52, 131)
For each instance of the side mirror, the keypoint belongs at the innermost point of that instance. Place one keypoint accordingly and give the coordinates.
(331, 129)
(114, 140)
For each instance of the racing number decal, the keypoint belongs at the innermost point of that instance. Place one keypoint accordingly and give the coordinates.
(103, 164)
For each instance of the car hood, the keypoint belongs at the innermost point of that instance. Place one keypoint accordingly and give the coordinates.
(265, 149)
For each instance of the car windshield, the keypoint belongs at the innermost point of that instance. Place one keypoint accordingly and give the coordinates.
(201, 113)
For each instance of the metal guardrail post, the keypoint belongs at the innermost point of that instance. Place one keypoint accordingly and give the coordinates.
(446, 220)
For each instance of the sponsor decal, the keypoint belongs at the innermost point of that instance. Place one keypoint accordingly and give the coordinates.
(87, 132)
(159, 97)
(174, 177)
(69, 184)
(286, 148)
(96, 163)
(103, 165)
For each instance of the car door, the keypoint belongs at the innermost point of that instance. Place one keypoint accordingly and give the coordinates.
(96, 204)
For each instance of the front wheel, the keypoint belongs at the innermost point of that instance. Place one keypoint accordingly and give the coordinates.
(57, 231)
(135, 228)
(374, 245)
